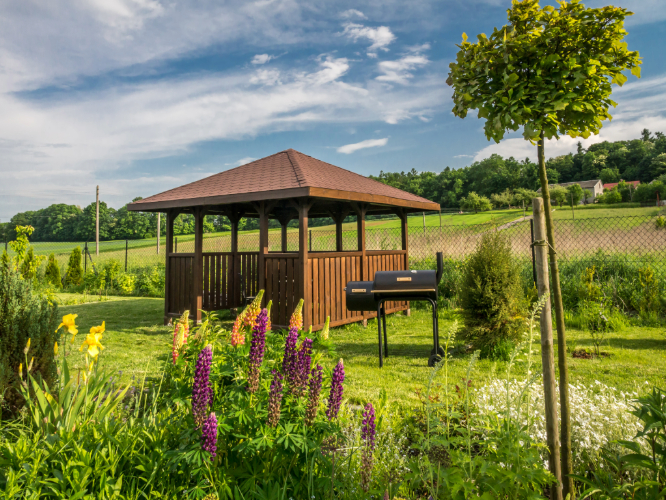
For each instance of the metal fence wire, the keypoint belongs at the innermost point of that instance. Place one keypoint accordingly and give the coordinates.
(635, 241)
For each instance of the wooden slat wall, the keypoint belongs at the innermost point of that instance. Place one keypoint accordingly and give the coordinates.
(180, 284)
(330, 273)
(219, 274)
(281, 287)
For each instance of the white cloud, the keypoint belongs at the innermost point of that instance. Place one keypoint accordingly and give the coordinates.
(262, 58)
(352, 13)
(380, 37)
(401, 70)
(463, 156)
(245, 160)
(82, 136)
(370, 143)
(266, 77)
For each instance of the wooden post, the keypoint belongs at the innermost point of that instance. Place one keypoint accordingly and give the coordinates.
(168, 251)
(547, 357)
(263, 245)
(159, 232)
(283, 224)
(304, 284)
(361, 210)
(235, 263)
(97, 222)
(404, 233)
(197, 268)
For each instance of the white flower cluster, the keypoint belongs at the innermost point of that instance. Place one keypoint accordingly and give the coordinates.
(599, 414)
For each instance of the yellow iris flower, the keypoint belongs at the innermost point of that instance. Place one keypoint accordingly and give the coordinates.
(68, 321)
(92, 341)
(98, 329)
(55, 349)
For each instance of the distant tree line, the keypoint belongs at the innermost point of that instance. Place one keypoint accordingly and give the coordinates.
(641, 159)
(61, 222)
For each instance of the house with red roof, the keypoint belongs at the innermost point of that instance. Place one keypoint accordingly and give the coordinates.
(611, 185)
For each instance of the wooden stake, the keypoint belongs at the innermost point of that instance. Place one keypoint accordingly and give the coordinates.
(540, 248)
(565, 408)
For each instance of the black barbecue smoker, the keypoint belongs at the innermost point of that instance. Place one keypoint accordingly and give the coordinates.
(411, 285)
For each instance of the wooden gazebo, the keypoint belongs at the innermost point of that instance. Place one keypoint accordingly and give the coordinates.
(285, 186)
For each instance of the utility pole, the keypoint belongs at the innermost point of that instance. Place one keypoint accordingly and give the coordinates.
(97, 224)
(158, 232)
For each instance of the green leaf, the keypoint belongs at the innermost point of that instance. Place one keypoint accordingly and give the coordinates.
(636, 71)
(464, 37)
(620, 79)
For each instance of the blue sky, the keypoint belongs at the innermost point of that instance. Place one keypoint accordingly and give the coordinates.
(140, 96)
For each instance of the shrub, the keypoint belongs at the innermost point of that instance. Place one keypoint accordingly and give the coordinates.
(491, 294)
(52, 273)
(74, 275)
(24, 315)
(660, 222)
(126, 283)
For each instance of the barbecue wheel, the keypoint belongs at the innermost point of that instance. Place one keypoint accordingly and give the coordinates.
(440, 351)
(434, 359)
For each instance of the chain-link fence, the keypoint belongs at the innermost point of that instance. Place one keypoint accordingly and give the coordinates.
(630, 240)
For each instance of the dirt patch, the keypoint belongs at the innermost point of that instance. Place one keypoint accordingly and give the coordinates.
(585, 354)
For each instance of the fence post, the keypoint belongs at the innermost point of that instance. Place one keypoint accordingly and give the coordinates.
(310, 239)
(85, 258)
(175, 246)
(540, 247)
(126, 248)
(423, 213)
(159, 235)
(534, 272)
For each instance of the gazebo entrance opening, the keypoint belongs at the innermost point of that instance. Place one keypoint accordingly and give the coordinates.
(282, 262)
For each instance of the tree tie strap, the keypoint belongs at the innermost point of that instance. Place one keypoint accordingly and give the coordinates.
(542, 243)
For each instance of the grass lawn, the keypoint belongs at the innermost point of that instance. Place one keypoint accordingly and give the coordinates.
(137, 344)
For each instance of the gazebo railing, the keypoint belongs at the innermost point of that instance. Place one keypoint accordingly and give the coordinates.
(222, 275)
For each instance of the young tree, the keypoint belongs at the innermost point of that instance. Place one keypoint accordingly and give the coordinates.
(502, 199)
(559, 194)
(549, 71)
(575, 194)
(475, 202)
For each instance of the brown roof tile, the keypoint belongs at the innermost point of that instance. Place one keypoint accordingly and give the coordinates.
(288, 169)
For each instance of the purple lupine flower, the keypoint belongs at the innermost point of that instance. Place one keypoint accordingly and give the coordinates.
(209, 435)
(257, 348)
(314, 390)
(275, 399)
(368, 434)
(202, 392)
(335, 397)
(290, 359)
(303, 362)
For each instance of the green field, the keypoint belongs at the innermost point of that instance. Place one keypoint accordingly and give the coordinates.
(137, 344)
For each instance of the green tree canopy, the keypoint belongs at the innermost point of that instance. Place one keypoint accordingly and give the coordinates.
(475, 202)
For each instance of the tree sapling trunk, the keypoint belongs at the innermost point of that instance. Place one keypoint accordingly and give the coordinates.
(565, 411)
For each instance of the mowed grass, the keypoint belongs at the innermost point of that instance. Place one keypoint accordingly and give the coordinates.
(137, 344)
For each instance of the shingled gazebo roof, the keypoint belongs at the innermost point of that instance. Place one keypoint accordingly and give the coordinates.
(287, 174)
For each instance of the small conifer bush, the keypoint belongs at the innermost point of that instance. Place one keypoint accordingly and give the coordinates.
(52, 273)
(491, 296)
(24, 315)
(74, 274)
